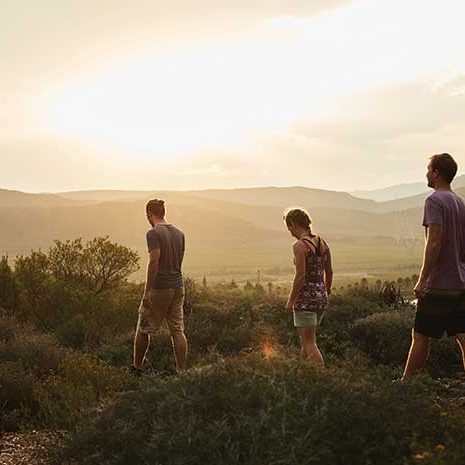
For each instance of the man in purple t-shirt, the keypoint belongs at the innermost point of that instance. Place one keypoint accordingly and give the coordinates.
(441, 287)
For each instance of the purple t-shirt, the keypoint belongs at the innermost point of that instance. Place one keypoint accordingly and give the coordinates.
(448, 209)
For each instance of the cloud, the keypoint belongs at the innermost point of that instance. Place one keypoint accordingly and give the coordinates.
(373, 139)
(380, 117)
(43, 40)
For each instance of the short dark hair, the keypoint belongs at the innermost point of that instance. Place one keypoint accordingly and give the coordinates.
(445, 165)
(156, 207)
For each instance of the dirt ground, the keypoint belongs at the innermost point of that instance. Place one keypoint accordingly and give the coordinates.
(29, 448)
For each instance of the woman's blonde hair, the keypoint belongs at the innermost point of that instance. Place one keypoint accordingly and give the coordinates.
(297, 216)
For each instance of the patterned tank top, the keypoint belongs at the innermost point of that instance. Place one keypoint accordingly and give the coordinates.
(313, 296)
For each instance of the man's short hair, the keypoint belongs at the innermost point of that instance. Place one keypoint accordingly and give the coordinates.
(156, 207)
(445, 165)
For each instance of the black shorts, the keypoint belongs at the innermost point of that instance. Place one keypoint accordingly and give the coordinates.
(439, 311)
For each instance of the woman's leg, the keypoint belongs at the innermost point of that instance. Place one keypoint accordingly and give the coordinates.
(303, 352)
(308, 338)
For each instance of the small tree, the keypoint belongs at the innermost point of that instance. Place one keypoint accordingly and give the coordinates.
(108, 264)
(8, 288)
(259, 289)
(270, 288)
(98, 265)
(248, 286)
(32, 272)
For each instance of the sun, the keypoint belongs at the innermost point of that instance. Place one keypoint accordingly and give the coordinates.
(168, 103)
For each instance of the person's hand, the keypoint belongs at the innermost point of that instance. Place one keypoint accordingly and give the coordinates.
(289, 306)
(420, 288)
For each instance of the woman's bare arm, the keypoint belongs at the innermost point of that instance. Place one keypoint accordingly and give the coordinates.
(300, 260)
(328, 272)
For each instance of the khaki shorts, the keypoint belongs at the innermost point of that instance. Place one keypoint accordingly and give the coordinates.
(166, 304)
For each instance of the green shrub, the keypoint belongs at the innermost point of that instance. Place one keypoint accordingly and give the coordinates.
(80, 382)
(42, 383)
(17, 398)
(9, 326)
(386, 338)
(210, 326)
(37, 353)
(344, 310)
(249, 411)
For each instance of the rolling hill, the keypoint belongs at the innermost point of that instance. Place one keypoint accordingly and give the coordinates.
(281, 197)
(229, 232)
(17, 199)
(402, 191)
(223, 237)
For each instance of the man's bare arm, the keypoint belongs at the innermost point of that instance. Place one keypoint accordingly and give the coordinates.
(152, 271)
(430, 256)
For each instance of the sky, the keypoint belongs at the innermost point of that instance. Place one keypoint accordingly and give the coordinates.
(144, 94)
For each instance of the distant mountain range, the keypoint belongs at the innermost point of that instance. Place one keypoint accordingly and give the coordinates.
(233, 229)
(402, 190)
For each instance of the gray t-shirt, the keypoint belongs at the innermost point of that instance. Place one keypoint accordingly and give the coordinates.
(171, 242)
(448, 209)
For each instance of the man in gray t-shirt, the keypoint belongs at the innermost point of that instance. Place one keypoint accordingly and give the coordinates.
(164, 287)
(170, 240)
(441, 286)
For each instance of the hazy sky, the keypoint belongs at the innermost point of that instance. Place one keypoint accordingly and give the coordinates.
(184, 94)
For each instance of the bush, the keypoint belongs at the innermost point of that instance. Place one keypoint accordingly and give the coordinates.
(254, 412)
(8, 327)
(17, 398)
(81, 382)
(386, 338)
(37, 353)
(213, 326)
(44, 384)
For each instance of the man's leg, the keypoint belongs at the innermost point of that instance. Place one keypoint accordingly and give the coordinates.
(308, 338)
(460, 338)
(141, 346)
(175, 320)
(149, 321)
(180, 349)
(418, 355)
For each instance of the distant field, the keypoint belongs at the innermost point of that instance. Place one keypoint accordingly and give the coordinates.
(353, 259)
